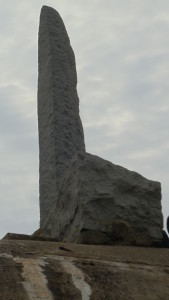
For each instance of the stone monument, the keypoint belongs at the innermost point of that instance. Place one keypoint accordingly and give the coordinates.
(83, 198)
(60, 129)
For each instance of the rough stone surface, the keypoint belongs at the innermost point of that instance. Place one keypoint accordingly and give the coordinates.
(83, 198)
(60, 129)
(100, 202)
(45, 270)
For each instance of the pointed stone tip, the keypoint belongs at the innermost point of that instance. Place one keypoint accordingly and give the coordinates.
(46, 8)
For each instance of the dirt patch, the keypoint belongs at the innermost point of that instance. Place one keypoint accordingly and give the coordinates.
(121, 281)
(11, 287)
(59, 282)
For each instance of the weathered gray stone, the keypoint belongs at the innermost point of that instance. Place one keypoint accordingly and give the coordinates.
(103, 203)
(60, 129)
(83, 198)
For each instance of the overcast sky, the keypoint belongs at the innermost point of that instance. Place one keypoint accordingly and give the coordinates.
(122, 57)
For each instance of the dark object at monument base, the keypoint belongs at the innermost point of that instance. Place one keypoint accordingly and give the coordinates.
(168, 225)
(165, 243)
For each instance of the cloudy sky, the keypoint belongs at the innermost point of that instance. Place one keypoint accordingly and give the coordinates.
(122, 56)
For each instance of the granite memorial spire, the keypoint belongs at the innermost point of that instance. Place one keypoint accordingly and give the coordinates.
(83, 198)
(60, 128)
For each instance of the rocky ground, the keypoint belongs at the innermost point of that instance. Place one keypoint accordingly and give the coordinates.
(50, 270)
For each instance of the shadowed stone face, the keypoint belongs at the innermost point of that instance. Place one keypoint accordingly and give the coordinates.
(60, 129)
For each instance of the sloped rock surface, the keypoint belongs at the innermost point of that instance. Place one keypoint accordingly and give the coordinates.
(60, 129)
(46, 270)
(102, 203)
